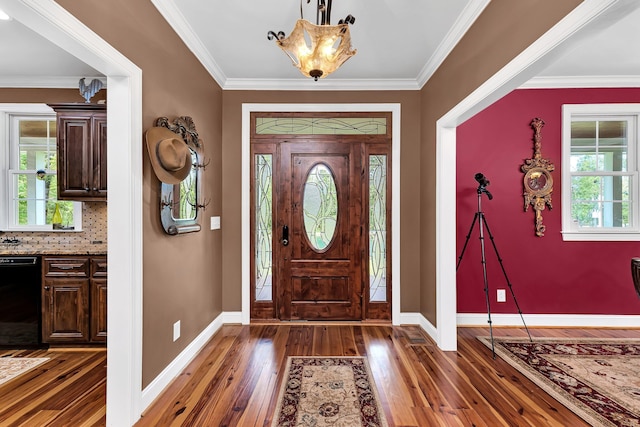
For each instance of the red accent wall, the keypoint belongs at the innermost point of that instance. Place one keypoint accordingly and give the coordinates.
(547, 274)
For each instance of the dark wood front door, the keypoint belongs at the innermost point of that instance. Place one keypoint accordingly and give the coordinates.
(319, 215)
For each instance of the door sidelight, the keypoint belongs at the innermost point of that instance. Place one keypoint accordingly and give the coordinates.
(285, 235)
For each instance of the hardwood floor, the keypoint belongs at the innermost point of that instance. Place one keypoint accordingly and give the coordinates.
(67, 390)
(235, 380)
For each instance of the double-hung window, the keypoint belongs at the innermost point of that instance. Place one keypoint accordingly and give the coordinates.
(600, 193)
(29, 180)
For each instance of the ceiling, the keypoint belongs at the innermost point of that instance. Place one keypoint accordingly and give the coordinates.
(230, 39)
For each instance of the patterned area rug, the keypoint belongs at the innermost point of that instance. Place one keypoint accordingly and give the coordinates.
(597, 379)
(11, 367)
(328, 391)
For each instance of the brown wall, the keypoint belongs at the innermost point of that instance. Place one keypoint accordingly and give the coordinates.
(31, 95)
(504, 29)
(182, 274)
(409, 178)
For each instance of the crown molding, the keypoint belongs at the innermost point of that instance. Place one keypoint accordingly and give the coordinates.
(53, 82)
(561, 82)
(324, 85)
(472, 10)
(172, 14)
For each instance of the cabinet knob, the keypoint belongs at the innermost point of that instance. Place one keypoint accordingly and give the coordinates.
(87, 189)
(46, 288)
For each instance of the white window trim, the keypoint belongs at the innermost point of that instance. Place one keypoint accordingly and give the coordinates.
(6, 178)
(570, 111)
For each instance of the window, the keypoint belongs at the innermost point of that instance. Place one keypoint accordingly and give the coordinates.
(600, 195)
(28, 181)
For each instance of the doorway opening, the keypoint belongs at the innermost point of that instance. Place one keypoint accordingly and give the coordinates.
(320, 216)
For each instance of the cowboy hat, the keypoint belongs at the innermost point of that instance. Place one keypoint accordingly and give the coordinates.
(169, 154)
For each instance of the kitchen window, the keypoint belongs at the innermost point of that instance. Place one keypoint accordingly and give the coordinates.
(30, 181)
(600, 192)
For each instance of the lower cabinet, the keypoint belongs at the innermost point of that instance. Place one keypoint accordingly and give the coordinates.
(74, 303)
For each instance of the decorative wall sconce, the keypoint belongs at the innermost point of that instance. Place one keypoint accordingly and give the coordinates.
(538, 183)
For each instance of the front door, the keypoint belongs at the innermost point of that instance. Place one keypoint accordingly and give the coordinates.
(319, 214)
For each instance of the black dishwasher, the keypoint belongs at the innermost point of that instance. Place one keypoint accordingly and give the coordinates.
(20, 278)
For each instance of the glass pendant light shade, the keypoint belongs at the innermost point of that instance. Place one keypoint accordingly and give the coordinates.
(317, 50)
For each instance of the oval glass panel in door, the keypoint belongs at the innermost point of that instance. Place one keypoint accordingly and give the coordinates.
(320, 207)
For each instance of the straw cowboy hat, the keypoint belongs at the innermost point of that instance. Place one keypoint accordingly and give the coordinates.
(169, 154)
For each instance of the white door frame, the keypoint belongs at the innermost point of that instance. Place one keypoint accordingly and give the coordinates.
(523, 67)
(247, 109)
(124, 210)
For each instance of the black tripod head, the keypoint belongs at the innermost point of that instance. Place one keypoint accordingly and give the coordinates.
(484, 182)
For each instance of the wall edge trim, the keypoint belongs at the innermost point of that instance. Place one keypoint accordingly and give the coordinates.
(551, 320)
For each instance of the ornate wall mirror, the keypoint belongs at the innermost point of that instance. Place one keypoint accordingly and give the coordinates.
(182, 203)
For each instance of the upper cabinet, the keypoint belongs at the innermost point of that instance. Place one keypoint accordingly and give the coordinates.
(82, 151)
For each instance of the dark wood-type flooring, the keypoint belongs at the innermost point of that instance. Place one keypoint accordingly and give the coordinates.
(235, 380)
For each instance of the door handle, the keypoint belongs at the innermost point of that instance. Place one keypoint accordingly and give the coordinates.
(285, 235)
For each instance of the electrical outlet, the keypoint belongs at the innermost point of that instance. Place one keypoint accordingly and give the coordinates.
(502, 295)
(176, 330)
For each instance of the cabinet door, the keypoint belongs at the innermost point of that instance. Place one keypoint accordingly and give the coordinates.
(99, 151)
(65, 314)
(74, 156)
(98, 310)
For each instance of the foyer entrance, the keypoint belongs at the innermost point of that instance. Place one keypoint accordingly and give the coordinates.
(320, 216)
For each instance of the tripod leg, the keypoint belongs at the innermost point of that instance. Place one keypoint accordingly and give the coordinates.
(504, 272)
(466, 242)
(481, 222)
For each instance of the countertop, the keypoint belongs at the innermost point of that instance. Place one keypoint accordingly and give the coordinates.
(16, 250)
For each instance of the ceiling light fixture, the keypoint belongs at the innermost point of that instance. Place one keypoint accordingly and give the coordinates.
(317, 50)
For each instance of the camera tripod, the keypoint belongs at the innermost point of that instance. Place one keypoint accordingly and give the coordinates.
(482, 224)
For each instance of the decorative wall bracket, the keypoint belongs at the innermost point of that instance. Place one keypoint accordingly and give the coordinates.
(538, 183)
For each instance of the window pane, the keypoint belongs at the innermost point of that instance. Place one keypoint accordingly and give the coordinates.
(35, 201)
(320, 207)
(37, 144)
(321, 125)
(378, 228)
(263, 226)
(601, 201)
(599, 145)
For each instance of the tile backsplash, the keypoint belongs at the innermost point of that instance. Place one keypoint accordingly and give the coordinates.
(92, 240)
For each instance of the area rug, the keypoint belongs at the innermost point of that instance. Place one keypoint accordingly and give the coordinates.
(11, 367)
(328, 391)
(597, 379)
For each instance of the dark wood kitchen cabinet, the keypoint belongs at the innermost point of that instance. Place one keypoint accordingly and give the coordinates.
(74, 302)
(82, 151)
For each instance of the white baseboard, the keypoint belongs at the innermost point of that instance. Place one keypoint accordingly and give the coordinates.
(157, 386)
(232, 317)
(551, 320)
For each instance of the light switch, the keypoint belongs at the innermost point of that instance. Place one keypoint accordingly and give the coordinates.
(215, 222)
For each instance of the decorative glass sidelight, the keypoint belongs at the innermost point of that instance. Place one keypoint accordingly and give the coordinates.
(378, 228)
(320, 207)
(263, 226)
